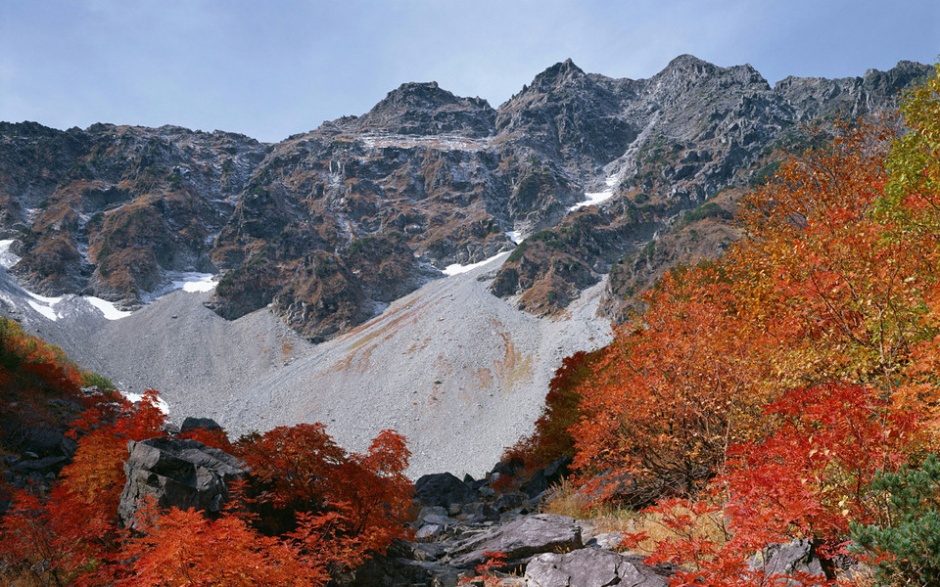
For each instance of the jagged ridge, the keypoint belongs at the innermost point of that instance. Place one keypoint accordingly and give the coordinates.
(333, 224)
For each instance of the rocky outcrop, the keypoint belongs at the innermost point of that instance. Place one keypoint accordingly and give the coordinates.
(426, 109)
(330, 225)
(176, 473)
(520, 540)
(590, 568)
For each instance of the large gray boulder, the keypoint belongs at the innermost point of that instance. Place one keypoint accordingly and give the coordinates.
(443, 490)
(176, 473)
(590, 568)
(520, 540)
(797, 556)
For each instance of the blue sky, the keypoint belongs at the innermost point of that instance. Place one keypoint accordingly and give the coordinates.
(273, 68)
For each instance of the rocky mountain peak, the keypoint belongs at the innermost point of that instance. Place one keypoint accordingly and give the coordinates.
(426, 109)
(687, 70)
(895, 79)
(559, 74)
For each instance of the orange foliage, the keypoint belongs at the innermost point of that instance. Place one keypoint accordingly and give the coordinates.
(805, 480)
(74, 530)
(552, 439)
(821, 289)
(216, 438)
(184, 548)
(308, 486)
(670, 395)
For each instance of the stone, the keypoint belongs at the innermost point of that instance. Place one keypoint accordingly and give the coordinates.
(547, 476)
(176, 473)
(443, 490)
(590, 568)
(797, 556)
(520, 539)
(478, 512)
(191, 423)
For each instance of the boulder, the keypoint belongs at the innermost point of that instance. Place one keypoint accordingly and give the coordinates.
(548, 476)
(520, 539)
(797, 556)
(176, 473)
(443, 490)
(590, 568)
(190, 423)
(404, 564)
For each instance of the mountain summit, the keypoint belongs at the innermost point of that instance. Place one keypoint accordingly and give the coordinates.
(330, 225)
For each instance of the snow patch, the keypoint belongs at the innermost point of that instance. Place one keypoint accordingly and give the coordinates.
(107, 308)
(44, 305)
(7, 258)
(136, 397)
(457, 268)
(188, 281)
(515, 236)
(47, 311)
(443, 142)
(594, 198)
(196, 282)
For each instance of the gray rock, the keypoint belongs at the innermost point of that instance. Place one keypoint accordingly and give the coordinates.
(443, 490)
(425, 512)
(428, 532)
(191, 423)
(520, 540)
(478, 512)
(797, 556)
(510, 501)
(608, 540)
(547, 476)
(590, 568)
(176, 473)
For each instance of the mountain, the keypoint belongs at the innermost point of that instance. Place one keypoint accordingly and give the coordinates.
(332, 253)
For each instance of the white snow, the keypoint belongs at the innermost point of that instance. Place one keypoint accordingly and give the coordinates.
(515, 236)
(45, 310)
(594, 198)
(457, 268)
(44, 305)
(107, 308)
(196, 282)
(136, 397)
(7, 258)
(188, 281)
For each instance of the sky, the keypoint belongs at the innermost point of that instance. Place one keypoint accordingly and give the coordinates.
(272, 68)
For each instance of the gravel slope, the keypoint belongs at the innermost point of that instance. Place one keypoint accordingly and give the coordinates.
(459, 372)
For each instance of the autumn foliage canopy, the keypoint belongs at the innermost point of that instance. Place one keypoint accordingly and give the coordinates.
(765, 392)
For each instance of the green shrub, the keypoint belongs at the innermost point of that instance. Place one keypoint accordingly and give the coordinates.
(909, 541)
(92, 379)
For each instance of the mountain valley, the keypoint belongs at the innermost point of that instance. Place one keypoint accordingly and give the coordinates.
(333, 254)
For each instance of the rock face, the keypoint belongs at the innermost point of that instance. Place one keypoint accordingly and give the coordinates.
(330, 225)
(176, 473)
(590, 568)
(520, 540)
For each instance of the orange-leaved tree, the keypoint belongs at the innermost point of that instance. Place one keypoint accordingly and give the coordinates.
(337, 507)
(805, 480)
(822, 288)
(180, 547)
(70, 535)
(551, 438)
(671, 393)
